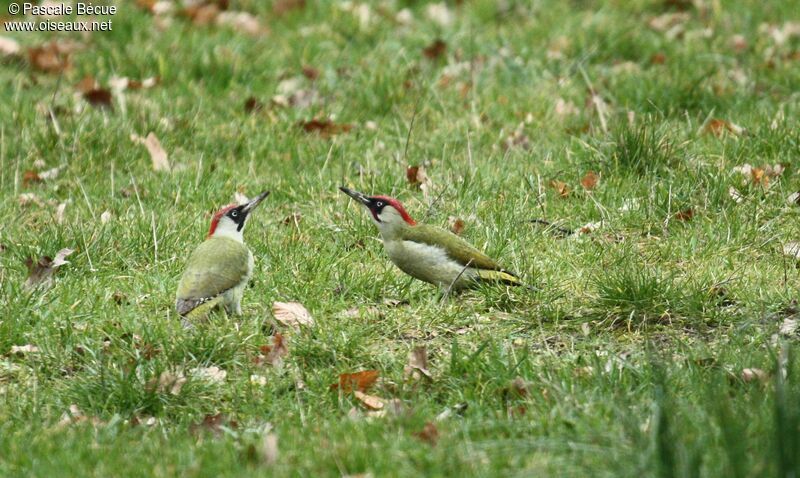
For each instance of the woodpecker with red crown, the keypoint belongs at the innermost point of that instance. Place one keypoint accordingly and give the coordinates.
(430, 253)
(220, 267)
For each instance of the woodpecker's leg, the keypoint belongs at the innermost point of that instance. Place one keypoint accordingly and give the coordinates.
(233, 300)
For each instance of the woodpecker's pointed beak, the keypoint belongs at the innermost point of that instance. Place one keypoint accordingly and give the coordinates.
(255, 202)
(363, 199)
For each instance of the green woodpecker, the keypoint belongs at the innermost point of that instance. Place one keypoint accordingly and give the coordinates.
(220, 267)
(429, 253)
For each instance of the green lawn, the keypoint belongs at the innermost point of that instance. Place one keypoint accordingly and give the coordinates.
(659, 339)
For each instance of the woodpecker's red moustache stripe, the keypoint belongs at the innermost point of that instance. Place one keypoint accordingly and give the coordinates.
(217, 216)
(397, 205)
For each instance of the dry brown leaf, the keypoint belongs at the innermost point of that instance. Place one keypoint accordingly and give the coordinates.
(292, 314)
(789, 326)
(429, 434)
(41, 272)
(281, 7)
(658, 58)
(435, 50)
(61, 213)
(792, 249)
(50, 57)
(75, 416)
(590, 181)
(417, 365)
(361, 381)
(215, 424)
(23, 349)
(253, 105)
(157, 153)
(99, 98)
(754, 374)
(561, 187)
(30, 176)
(325, 127)
(105, 217)
(684, 215)
(310, 72)
(718, 127)
(273, 354)
(242, 21)
(167, 382)
(209, 374)
(517, 388)
(87, 83)
(456, 225)
(370, 401)
(268, 452)
(9, 47)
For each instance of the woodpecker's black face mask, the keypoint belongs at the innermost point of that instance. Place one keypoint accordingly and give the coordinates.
(239, 216)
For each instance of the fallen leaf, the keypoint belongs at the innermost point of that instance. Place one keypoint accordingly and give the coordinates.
(361, 381)
(75, 416)
(41, 272)
(87, 83)
(215, 424)
(456, 225)
(684, 215)
(29, 198)
(738, 43)
(281, 7)
(718, 127)
(209, 374)
(564, 109)
(292, 314)
(735, 195)
(792, 249)
(518, 139)
(310, 72)
(157, 153)
(51, 173)
(242, 21)
(60, 213)
(99, 98)
(370, 401)
(325, 127)
(167, 382)
(23, 349)
(517, 388)
(429, 434)
(49, 58)
(561, 187)
(753, 374)
(273, 354)
(268, 452)
(671, 24)
(589, 228)
(29, 177)
(9, 47)
(789, 326)
(292, 219)
(435, 50)
(417, 365)
(258, 379)
(439, 13)
(105, 217)
(253, 105)
(590, 181)
(658, 58)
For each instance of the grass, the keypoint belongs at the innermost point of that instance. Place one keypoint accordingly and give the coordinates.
(631, 351)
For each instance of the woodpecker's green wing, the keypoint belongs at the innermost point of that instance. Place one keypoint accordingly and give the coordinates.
(216, 266)
(460, 251)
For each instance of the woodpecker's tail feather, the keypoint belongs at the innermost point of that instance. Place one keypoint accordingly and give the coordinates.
(201, 308)
(499, 276)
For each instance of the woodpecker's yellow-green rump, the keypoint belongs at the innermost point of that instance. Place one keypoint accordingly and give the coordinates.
(218, 270)
(430, 253)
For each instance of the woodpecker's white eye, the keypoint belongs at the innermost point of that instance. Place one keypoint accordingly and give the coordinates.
(234, 213)
(379, 203)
